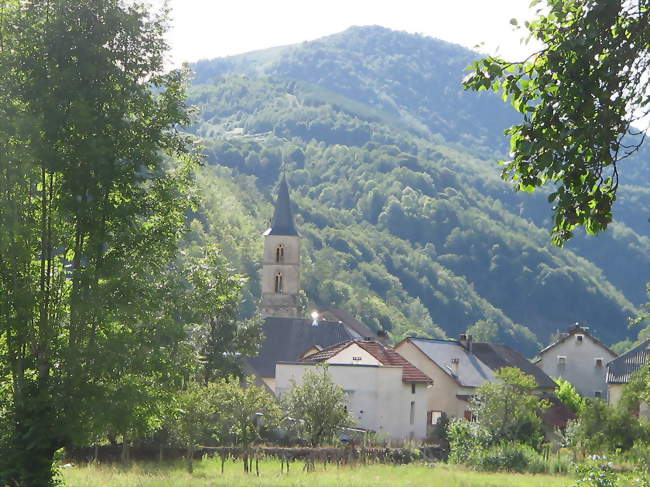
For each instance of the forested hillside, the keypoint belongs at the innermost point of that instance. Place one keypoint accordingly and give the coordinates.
(393, 171)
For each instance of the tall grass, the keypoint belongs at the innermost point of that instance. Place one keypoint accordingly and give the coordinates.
(207, 474)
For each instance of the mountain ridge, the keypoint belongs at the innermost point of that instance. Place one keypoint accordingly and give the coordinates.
(365, 180)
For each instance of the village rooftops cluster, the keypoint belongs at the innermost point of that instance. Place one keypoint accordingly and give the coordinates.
(287, 339)
(402, 391)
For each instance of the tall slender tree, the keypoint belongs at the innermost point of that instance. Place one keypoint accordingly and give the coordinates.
(91, 210)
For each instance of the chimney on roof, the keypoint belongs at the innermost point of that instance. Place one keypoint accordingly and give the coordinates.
(466, 341)
(578, 327)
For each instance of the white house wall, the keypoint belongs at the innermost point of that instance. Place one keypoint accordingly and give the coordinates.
(378, 400)
(580, 368)
(354, 355)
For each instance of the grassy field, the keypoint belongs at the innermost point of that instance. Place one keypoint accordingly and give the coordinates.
(207, 474)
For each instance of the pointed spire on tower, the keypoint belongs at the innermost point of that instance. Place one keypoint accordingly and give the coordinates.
(282, 223)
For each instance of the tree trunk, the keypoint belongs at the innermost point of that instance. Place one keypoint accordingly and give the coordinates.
(125, 456)
(189, 457)
(33, 444)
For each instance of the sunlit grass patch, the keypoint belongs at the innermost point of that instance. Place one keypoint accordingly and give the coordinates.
(207, 473)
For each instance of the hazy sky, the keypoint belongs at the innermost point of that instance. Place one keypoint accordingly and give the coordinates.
(213, 28)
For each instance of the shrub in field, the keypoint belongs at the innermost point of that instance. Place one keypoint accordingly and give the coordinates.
(639, 454)
(596, 472)
(508, 457)
(465, 439)
(473, 446)
(318, 405)
(603, 429)
(404, 456)
(641, 476)
(559, 464)
(509, 410)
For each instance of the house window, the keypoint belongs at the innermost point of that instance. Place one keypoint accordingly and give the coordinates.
(412, 413)
(561, 360)
(278, 282)
(413, 388)
(579, 338)
(598, 394)
(433, 417)
(599, 362)
(279, 253)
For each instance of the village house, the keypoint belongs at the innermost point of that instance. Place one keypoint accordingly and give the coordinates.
(581, 359)
(621, 369)
(459, 367)
(456, 373)
(386, 393)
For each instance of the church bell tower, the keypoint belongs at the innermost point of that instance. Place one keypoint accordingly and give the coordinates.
(281, 262)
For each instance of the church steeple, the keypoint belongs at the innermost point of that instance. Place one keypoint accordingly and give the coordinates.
(281, 263)
(282, 223)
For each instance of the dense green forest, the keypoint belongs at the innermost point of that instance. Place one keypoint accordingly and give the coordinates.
(393, 173)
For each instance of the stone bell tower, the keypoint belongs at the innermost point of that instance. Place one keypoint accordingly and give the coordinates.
(281, 262)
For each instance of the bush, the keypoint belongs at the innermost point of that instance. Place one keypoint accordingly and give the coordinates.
(465, 439)
(509, 410)
(639, 454)
(570, 397)
(602, 429)
(404, 456)
(559, 464)
(508, 457)
(596, 472)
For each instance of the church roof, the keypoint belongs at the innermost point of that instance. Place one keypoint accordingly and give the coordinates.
(282, 223)
(286, 339)
(356, 326)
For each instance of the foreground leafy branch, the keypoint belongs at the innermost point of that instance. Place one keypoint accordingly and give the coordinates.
(581, 97)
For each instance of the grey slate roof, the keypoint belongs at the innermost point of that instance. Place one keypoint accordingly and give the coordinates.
(471, 371)
(282, 223)
(621, 369)
(496, 356)
(286, 339)
(356, 326)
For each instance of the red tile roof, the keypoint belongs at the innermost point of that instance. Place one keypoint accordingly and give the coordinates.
(383, 354)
